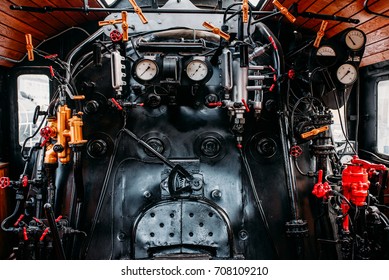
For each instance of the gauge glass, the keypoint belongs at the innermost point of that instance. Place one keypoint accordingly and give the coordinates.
(347, 74)
(355, 39)
(197, 70)
(146, 69)
(326, 56)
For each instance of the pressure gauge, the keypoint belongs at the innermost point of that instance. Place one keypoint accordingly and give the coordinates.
(355, 39)
(347, 74)
(326, 56)
(197, 70)
(146, 69)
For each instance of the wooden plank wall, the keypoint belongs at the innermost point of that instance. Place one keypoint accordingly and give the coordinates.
(15, 24)
(375, 27)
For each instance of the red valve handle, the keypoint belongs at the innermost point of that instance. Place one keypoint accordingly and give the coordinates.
(45, 232)
(120, 108)
(367, 165)
(4, 182)
(215, 104)
(116, 36)
(46, 133)
(296, 151)
(245, 105)
(19, 220)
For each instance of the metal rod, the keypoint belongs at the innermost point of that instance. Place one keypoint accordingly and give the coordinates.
(49, 9)
(54, 231)
(328, 17)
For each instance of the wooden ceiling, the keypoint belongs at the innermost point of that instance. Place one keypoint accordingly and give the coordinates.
(15, 24)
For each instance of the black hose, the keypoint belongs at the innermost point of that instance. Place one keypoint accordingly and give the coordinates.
(10, 217)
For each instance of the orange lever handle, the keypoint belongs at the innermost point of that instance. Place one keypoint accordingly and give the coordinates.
(284, 11)
(138, 11)
(314, 132)
(29, 47)
(216, 30)
(108, 22)
(125, 26)
(320, 33)
(245, 11)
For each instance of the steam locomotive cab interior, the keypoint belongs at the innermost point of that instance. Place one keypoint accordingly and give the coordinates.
(194, 130)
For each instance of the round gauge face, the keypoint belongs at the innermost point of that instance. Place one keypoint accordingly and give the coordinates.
(347, 74)
(197, 70)
(355, 39)
(146, 69)
(326, 56)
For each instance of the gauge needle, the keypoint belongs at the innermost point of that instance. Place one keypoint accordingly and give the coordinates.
(352, 41)
(145, 71)
(345, 75)
(196, 71)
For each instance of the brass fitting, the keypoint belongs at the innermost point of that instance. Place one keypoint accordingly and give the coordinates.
(67, 131)
(50, 155)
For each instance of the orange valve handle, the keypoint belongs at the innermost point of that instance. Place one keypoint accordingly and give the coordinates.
(245, 11)
(320, 33)
(125, 26)
(314, 132)
(138, 11)
(108, 22)
(284, 11)
(216, 30)
(29, 47)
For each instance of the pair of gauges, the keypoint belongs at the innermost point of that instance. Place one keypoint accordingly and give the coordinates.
(147, 69)
(346, 73)
(326, 56)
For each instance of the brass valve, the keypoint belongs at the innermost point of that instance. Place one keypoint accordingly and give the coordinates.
(216, 30)
(284, 11)
(314, 132)
(29, 47)
(67, 131)
(138, 11)
(320, 33)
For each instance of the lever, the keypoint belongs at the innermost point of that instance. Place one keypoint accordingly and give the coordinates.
(245, 11)
(216, 30)
(320, 33)
(284, 11)
(314, 132)
(29, 47)
(138, 11)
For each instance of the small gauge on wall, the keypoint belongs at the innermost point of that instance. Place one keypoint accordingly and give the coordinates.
(326, 56)
(198, 69)
(347, 74)
(145, 69)
(355, 39)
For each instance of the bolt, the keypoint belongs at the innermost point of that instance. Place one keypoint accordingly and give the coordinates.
(147, 194)
(216, 194)
(243, 235)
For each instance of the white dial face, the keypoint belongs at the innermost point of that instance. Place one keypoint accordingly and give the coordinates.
(347, 74)
(355, 39)
(146, 69)
(325, 51)
(197, 70)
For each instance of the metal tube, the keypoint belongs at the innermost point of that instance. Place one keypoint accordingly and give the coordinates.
(54, 232)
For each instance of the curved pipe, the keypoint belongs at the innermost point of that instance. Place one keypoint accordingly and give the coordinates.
(10, 217)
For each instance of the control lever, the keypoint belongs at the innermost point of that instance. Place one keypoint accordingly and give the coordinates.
(182, 171)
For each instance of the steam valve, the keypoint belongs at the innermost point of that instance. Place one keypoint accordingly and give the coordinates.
(355, 183)
(321, 189)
